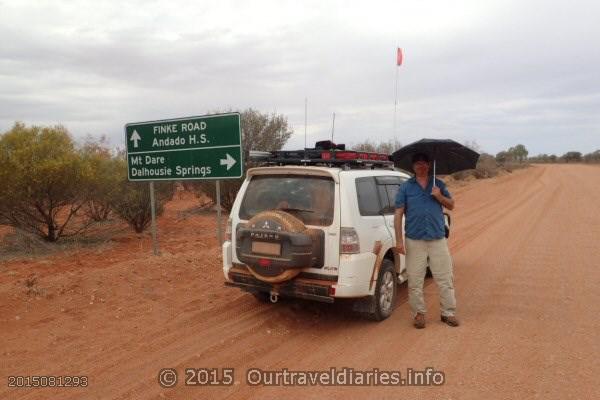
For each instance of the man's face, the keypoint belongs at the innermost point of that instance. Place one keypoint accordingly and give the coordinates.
(421, 168)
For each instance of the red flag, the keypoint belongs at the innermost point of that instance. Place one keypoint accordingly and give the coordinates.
(399, 57)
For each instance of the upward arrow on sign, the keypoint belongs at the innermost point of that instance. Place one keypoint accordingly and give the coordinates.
(135, 137)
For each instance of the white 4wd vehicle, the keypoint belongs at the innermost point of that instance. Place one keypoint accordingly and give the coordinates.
(318, 232)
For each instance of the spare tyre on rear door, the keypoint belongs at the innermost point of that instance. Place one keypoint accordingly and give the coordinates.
(275, 245)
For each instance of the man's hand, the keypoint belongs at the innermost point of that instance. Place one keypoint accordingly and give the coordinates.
(437, 193)
(400, 247)
(443, 200)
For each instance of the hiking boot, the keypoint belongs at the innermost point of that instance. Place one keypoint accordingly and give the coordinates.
(419, 321)
(450, 320)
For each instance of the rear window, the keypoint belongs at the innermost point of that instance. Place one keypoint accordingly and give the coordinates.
(309, 198)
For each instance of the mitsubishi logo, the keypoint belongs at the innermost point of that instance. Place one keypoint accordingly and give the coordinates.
(266, 225)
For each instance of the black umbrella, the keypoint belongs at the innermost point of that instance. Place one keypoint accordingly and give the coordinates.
(448, 156)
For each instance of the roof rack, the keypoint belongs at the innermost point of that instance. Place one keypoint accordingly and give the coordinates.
(325, 153)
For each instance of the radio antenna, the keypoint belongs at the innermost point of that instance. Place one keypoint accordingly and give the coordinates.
(332, 127)
(305, 119)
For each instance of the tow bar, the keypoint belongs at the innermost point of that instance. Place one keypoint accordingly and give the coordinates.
(274, 297)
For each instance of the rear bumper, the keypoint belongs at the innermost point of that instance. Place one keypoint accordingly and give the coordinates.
(304, 288)
(353, 280)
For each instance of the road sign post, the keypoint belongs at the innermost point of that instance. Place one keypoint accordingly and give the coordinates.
(219, 225)
(204, 147)
(153, 214)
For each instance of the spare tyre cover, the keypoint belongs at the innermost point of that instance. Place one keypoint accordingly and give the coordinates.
(276, 245)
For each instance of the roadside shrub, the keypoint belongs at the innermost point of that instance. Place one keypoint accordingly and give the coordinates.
(53, 188)
(44, 181)
(104, 180)
(487, 167)
(131, 200)
(463, 175)
(229, 189)
(592, 157)
(572, 156)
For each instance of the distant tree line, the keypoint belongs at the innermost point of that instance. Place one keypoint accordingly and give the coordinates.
(519, 154)
(568, 157)
(384, 146)
(513, 157)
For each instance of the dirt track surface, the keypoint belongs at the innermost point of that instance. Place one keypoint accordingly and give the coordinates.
(525, 246)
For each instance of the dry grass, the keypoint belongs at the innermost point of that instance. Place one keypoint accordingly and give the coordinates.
(19, 244)
(16, 244)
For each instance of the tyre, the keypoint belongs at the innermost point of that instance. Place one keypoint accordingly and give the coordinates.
(382, 303)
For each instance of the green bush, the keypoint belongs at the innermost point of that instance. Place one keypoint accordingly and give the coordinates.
(44, 181)
(53, 188)
(104, 180)
(131, 200)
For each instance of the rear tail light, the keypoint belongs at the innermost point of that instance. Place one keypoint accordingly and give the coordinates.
(349, 243)
(228, 230)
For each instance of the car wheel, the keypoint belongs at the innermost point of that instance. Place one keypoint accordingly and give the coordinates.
(382, 303)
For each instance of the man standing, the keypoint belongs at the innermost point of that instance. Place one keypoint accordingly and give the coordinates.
(422, 202)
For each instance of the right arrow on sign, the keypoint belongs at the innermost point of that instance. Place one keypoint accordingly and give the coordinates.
(229, 161)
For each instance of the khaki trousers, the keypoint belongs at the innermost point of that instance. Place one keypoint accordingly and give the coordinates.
(440, 263)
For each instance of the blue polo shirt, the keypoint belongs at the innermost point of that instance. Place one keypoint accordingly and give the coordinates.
(424, 215)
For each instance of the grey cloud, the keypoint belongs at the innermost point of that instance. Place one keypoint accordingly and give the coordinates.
(528, 73)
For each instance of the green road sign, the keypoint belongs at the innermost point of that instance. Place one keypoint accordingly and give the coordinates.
(205, 147)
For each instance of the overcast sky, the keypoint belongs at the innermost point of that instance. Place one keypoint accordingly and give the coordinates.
(497, 72)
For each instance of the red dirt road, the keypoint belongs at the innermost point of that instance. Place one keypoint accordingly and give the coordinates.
(526, 249)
